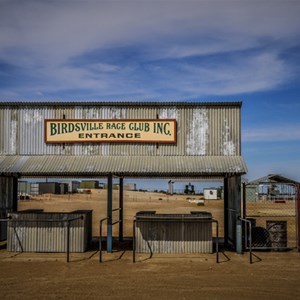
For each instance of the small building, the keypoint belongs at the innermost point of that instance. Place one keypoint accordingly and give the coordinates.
(64, 188)
(24, 187)
(101, 185)
(49, 188)
(89, 184)
(210, 194)
(34, 188)
(130, 186)
(72, 186)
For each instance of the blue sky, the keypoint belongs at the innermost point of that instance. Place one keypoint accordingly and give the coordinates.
(242, 50)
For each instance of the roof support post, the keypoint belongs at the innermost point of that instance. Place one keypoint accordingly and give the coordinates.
(298, 214)
(14, 191)
(226, 211)
(238, 200)
(232, 213)
(109, 212)
(121, 213)
(8, 200)
(171, 187)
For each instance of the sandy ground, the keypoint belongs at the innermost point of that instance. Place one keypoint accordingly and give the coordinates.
(48, 276)
(274, 275)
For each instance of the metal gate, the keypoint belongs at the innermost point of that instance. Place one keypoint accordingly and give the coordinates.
(272, 210)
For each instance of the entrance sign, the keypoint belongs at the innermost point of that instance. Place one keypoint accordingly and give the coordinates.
(109, 131)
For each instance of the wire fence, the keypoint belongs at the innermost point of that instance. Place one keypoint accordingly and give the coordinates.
(271, 209)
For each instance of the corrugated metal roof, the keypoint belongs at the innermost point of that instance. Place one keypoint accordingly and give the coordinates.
(119, 103)
(131, 166)
(272, 178)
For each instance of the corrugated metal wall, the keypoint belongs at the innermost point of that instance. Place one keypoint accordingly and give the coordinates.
(42, 236)
(209, 130)
(174, 237)
(24, 187)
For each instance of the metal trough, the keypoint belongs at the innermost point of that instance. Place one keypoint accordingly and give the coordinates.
(173, 233)
(38, 231)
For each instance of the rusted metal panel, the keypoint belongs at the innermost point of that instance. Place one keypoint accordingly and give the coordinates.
(29, 232)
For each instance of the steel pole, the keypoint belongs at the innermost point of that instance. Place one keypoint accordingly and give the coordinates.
(68, 241)
(109, 212)
(121, 213)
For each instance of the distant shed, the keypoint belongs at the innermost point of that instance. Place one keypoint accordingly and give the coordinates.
(210, 194)
(271, 187)
(24, 187)
(89, 184)
(130, 186)
(72, 186)
(49, 188)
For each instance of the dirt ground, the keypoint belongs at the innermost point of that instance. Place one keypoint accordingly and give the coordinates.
(49, 276)
(273, 275)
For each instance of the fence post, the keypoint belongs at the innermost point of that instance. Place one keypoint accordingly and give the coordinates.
(244, 199)
(133, 241)
(239, 247)
(68, 241)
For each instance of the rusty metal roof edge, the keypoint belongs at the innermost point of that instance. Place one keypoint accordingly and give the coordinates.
(272, 178)
(119, 103)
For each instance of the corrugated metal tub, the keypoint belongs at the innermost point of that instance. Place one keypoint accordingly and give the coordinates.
(37, 231)
(173, 233)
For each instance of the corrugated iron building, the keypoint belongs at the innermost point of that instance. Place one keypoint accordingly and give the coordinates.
(49, 188)
(208, 144)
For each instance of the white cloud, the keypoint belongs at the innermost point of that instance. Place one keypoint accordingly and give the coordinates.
(63, 29)
(286, 132)
(246, 74)
(43, 37)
